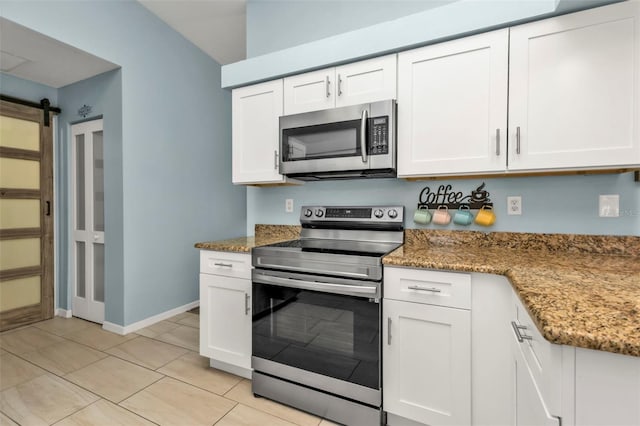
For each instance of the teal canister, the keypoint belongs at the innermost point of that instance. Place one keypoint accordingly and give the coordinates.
(463, 216)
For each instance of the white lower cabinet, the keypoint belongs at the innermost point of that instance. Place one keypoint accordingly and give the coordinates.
(225, 313)
(426, 351)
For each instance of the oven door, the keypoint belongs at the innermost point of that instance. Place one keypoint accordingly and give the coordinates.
(324, 335)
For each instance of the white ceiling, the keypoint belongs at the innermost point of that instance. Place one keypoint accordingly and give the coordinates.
(218, 27)
(33, 56)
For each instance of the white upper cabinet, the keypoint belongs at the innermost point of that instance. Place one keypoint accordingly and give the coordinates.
(452, 106)
(255, 133)
(573, 90)
(361, 82)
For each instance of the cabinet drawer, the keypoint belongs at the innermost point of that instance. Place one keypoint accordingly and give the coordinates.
(424, 286)
(236, 265)
(543, 358)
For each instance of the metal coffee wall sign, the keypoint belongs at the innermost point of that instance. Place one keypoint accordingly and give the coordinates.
(445, 196)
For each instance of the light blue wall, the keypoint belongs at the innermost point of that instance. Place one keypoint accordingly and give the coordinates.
(27, 90)
(176, 148)
(564, 204)
(311, 20)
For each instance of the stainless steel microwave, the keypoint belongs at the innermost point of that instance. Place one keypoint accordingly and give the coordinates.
(357, 141)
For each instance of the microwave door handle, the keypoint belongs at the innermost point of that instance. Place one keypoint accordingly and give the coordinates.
(363, 135)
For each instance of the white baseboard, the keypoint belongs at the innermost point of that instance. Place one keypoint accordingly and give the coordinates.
(118, 329)
(229, 368)
(64, 313)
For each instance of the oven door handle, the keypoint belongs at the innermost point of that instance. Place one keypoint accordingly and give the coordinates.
(346, 289)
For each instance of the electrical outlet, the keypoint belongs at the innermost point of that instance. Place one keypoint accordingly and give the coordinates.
(514, 205)
(609, 205)
(288, 205)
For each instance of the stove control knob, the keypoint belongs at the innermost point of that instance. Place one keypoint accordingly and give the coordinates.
(392, 213)
(319, 213)
(308, 213)
(378, 213)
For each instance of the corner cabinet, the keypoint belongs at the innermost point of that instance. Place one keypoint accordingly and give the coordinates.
(225, 311)
(256, 111)
(452, 106)
(357, 83)
(426, 347)
(574, 90)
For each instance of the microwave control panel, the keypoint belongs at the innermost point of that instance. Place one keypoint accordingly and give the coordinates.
(379, 136)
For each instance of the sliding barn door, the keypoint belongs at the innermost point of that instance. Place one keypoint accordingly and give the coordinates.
(26, 216)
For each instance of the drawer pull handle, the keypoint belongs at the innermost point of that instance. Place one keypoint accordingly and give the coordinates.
(418, 288)
(516, 329)
(246, 304)
(225, 265)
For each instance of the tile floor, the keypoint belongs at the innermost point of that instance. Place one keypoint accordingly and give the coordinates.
(71, 372)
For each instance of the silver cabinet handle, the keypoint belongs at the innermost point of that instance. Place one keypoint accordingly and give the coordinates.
(518, 140)
(363, 136)
(432, 290)
(498, 142)
(339, 85)
(388, 330)
(275, 159)
(224, 265)
(516, 329)
(328, 83)
(246, 304)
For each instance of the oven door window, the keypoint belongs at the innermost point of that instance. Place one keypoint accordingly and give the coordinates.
(328, 334)
(331, 140)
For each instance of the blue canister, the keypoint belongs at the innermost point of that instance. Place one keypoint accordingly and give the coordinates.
(463, 216)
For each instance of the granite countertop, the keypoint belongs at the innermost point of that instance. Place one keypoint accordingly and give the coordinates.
(264, 234)
(581, 291)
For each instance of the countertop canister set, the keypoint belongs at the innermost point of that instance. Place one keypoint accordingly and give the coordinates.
(445, 200)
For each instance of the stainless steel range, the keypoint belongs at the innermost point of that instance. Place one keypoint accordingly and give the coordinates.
(317, 313)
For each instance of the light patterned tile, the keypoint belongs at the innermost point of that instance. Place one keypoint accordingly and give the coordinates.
(191, 320)
(113, 378)
(242, 393)
(170, 402)
(61, 326)
(184, 336)
(157, 329)
(14, 371)
(104, 413)
(147, 352)
(194, 369)
(43, 400)
(98, 338)
(64, 357)
(6, 421)
(241, 415)
(27, 340)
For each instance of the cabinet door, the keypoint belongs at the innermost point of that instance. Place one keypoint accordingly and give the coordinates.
(530, 407)
(452, 106)
(311, 91)
(255, 128)
(573, 90)
(366, 81)
(427, 363)
(225, 319)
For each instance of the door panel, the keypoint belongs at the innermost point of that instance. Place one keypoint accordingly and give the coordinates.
(26, 220)
(88, 184)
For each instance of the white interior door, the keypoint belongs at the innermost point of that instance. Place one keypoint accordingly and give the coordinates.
(88, 220)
